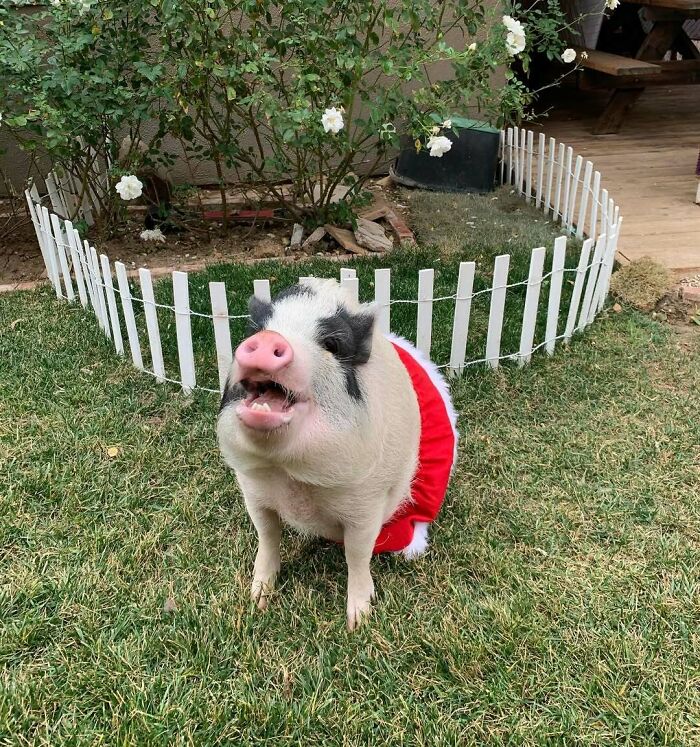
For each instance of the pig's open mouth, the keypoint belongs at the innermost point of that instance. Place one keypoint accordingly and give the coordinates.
(267, 405)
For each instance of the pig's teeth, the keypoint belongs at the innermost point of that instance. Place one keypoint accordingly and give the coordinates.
(264, 407)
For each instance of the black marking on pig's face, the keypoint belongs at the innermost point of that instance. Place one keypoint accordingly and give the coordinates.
(349, 338)
(260, 312)
(232, 393)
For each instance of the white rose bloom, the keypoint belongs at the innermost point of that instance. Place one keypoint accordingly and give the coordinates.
(438, 146)
(332, 120)
(435, 130)
(447, 124)
(568, 55)
(129, 187)
(56, 3)
(154, 235)
(515, 38)
(611, 4)
(472, 47)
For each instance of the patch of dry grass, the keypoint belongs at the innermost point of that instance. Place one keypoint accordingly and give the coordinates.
(641, 284)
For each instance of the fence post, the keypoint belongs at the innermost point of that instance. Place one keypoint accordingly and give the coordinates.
(75, 260)
(550, 175)
(540, 169)
(63, 260)
(567, 187)
(37, 228)
(222, 331)
(128, 311)
(261, 290)
(99, 287)
(50, 246)
(580, 226)
(460, 325)
(554, 302)
(578, 286)
(591, 284)
(112, 305)
(498, 302)
(560, 178)
(349, 281)
(183, 330)
(149, 310)
(382, 298)
(532, 298)
(593, 230)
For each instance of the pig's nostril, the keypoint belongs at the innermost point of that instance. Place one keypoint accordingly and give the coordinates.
(279, 352)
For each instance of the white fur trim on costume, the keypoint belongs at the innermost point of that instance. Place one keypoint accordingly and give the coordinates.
(419, 543)
(440, 384)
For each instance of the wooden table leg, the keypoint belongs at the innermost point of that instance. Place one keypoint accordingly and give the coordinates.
(619, 104)
(655, 45)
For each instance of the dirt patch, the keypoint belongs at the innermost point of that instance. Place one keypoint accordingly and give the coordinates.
(196, 243)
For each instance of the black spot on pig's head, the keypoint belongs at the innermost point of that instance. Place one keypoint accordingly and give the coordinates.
(232, 393)
(261, 312)
(348, 337)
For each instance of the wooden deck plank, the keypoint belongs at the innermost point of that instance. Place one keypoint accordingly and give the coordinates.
(649, 167)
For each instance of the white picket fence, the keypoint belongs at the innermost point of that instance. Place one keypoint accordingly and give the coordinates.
(549, 175)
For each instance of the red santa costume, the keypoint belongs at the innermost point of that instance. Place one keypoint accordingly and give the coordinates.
(407, 530)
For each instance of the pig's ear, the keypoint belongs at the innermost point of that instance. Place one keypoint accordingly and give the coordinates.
(362, 324)
(259, 312)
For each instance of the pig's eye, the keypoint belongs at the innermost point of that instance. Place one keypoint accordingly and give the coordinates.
(332, 345)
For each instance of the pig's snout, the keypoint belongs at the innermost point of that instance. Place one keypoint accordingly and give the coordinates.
(266, 352)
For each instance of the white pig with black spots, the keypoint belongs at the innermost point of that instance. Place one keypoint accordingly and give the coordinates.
(337, 430)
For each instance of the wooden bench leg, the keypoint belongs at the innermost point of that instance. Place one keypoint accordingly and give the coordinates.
(621, 101)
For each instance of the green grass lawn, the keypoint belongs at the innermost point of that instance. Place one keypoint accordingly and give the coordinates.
(558, 603)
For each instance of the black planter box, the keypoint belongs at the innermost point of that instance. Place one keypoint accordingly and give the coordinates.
(469, 166)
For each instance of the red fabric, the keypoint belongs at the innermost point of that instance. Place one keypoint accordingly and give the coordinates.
(435, 457)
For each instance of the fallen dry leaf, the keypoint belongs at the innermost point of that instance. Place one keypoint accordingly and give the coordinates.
(170, 605)
(112, 451)
(16, 322)
(617, 308)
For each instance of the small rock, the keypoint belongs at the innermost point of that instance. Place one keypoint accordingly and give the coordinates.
(617, 308)
(314, 238)
(297, 236)
(371, 236)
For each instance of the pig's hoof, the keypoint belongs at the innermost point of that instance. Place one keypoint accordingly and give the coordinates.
(358, 611)
(260, 592)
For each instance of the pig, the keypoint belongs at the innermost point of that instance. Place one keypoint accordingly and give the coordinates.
(336, 430)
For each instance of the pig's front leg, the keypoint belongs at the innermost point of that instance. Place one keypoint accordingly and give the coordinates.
(359, 543)
(267, 561)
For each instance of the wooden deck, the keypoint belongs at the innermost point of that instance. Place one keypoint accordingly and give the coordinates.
(649, 167)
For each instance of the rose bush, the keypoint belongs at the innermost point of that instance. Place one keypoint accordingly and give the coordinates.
(312, 92)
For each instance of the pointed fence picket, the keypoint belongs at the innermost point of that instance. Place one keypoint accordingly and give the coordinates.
(569, 189)
(424, 323)
(112, 305)
(460, 326)
(382, 298)
(498, 302)
(554, 302)
(222, 331)
(183, 331)
(128, 311)
(152, 327)
(75, 262)
(532, 299)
